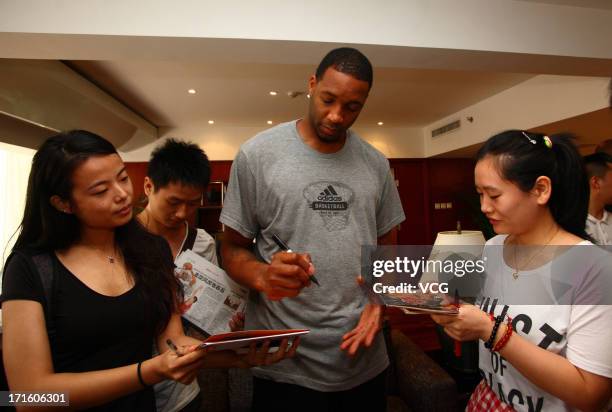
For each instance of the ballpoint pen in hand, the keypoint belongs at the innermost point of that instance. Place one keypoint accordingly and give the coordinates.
(286, 248)
(173, 347)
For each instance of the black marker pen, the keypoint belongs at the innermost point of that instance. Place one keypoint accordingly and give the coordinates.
(286, 248)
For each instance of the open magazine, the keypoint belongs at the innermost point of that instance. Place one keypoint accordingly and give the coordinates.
(411, 303)
(241, 340)
(211, 296)
(419, 303)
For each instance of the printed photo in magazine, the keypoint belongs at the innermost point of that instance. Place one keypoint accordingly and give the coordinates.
(211, 297)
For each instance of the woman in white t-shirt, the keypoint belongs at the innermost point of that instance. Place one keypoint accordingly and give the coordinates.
(544, 317)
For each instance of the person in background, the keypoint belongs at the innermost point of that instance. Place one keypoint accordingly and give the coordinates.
(82, 299)
(177, 176)
(544, 317)
(599, 221)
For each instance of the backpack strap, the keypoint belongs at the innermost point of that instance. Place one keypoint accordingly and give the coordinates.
(44, 267)
(191, 237)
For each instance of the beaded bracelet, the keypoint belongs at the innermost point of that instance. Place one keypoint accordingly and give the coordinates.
(504, 339)
(142, 382)
(489, 343)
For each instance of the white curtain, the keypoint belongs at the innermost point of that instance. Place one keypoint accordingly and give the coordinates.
(15, 164)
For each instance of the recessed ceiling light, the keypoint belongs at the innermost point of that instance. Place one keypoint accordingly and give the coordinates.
(380, 123)
(273, 93)
(211, 122)
(269, 122)
(191, 91)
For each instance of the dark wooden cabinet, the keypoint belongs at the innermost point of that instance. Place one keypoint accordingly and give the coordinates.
(208, 214)
(424, 182)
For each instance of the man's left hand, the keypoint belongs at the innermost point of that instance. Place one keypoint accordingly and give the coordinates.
(365, 332)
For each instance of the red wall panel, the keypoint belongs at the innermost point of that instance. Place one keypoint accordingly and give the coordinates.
(137, 172)
(451, 180)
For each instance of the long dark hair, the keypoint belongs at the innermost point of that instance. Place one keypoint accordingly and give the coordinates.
(521, 157)
(45, 229)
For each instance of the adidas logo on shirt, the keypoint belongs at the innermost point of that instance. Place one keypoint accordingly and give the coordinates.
(330, 200)
(329, 195)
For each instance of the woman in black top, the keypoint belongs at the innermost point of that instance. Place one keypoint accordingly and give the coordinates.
(112, 292)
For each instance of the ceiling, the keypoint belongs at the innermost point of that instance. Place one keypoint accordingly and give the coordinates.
(237, 94)
(430, 61)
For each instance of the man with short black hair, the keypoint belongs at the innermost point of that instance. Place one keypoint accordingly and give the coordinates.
(325, 192)
(177, 176)
(599, 221)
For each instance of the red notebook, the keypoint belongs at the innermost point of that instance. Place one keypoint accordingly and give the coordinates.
(241, 340)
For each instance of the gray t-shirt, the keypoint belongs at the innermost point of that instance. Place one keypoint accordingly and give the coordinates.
(328, 205)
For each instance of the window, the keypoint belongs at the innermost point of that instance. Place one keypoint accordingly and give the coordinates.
(15, 164)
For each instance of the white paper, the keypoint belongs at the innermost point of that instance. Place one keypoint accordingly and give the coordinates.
(211, 297)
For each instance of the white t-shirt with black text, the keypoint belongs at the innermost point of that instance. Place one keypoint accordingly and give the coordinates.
(562, 306)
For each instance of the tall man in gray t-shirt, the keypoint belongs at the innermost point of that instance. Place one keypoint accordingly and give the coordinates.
(325, 192)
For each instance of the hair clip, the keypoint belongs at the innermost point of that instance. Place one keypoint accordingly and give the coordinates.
(547, 142)
(531, 139)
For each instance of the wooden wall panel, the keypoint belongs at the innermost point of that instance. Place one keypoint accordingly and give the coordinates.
(137, 172)
(410, 177)
(422, 182)
(451, 181)
(220, 170)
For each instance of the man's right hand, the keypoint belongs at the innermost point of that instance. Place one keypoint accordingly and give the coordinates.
(283, 277)
(286, 275)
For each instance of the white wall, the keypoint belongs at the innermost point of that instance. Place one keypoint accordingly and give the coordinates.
(395, 142)
(485, 25)
(537, 101)
(219, 142)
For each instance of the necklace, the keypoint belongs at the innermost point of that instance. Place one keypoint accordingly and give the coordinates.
(516, 272)
(110, 258)
(113, 257)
